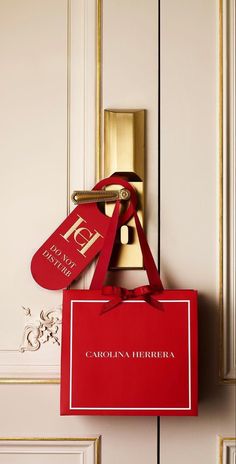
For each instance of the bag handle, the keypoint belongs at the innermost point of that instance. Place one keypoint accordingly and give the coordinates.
(112, 180)
(105, 255)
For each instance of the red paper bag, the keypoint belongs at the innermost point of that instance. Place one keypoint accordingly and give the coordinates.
(129, 352)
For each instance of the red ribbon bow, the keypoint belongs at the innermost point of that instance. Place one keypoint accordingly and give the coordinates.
(121, 294)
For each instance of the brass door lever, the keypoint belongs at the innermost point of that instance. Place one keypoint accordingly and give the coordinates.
(99, 196)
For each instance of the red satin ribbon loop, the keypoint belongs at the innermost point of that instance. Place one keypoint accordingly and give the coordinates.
(120, 294)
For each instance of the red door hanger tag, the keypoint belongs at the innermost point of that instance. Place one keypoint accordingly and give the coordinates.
(76, 242)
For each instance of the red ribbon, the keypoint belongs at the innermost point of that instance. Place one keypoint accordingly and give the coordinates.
(121, 294)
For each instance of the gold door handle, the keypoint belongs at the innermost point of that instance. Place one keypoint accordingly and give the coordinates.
(99, 196)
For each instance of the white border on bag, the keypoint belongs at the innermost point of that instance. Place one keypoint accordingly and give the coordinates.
(130, 409)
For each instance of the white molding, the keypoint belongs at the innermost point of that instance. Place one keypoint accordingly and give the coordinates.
(227, 451)
(84, 449)
(82, 99)
(229, 192)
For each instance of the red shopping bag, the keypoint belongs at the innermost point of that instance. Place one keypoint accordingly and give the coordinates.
(129, 352)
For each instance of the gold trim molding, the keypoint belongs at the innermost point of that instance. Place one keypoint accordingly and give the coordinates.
(221, 172)
(222, 213)
(95, 440)
(26, 380)
(221, 185)
(222, 440)
(98, 88)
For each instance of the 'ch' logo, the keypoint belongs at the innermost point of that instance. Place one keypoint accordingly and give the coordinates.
(87, 236)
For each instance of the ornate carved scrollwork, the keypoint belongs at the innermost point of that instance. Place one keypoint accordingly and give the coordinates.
(42, 330)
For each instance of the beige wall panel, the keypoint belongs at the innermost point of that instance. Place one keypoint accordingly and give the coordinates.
(189, 210)
(33, 410)
(33, 164)
(34, 156)
(130, 80)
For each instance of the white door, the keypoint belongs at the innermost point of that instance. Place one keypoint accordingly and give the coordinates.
(62, 63)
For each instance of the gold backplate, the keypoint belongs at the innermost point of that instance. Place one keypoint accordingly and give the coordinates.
(124, 155)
